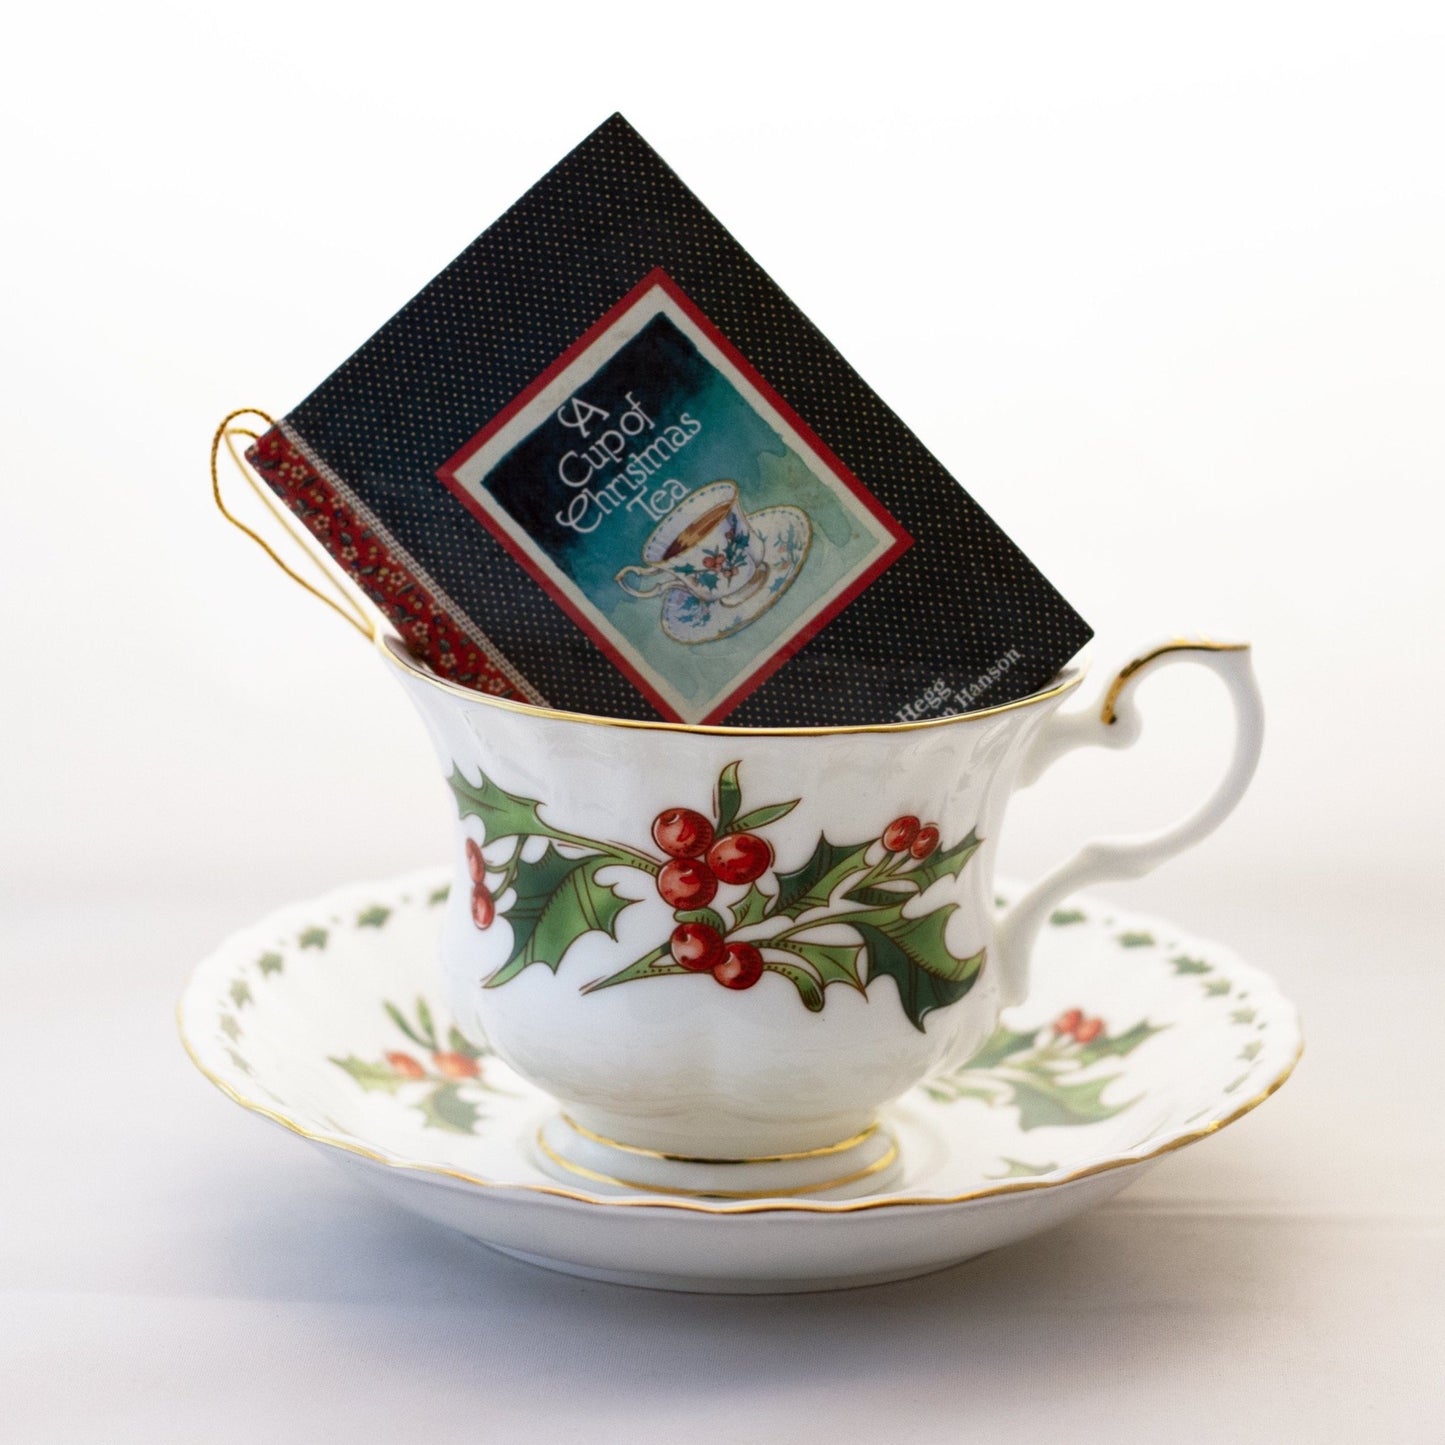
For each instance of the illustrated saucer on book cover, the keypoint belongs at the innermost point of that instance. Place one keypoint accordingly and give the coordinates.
(1134, 1041)
(786, 535)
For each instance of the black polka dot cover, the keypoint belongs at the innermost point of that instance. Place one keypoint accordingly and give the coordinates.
(603, 463)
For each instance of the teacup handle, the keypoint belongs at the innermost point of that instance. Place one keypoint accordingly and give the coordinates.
(1117, 724)
(663, 574)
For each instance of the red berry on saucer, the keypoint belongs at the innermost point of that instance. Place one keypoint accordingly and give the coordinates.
(740, 857)
(697, 947)
(456, 1066)
(406, 1066)
(686, 883)
(900, 833)
(925, 842)
(742, 966)
(476, 864)
(682, 833)
(1066, 1023)
(483, 908)
(1089, 1030)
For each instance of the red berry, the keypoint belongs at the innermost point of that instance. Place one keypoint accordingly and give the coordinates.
(697, 947)
(406, 1066)
(740, 857)
(742, 966)
(456, 1066)
(681, 833)
(1089, 1030)
(686, 883)
(1066, 1023)
(476, 864)
(483, 909)
(925, 842)
(900, 833)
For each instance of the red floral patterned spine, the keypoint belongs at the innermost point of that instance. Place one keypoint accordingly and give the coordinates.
(410, 607)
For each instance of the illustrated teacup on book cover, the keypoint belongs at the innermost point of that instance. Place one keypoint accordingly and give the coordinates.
(602, 463)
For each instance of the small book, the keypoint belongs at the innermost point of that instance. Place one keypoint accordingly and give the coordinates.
(602, 463)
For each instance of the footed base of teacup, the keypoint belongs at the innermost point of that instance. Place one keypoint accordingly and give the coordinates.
(847, 1169)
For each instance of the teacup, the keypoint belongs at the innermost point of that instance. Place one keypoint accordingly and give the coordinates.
(704, 544)
(723, 950)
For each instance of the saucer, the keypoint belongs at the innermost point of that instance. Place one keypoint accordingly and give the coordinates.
(787, 534)
(1135, 1040)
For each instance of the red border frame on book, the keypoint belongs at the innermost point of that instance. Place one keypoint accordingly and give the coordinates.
(446, 473)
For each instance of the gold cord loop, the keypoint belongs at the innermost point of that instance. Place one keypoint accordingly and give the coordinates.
(347, 607)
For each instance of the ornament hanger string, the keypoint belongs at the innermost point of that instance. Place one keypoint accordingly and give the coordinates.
(227, 434)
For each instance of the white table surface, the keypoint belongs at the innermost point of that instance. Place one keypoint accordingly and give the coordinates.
(173, 1269)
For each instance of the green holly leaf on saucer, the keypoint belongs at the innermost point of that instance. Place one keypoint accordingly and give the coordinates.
(270, 963)
(1017, 1169)
(445, 1108)
(373, 917)
(1044, 1102)
(1136, 939)
(1119, 1045)
(372, 1076)
(240, 993)
(439, 895)
(1003, 1044)
(313, 938)
(1184, 964)
(1063, 917)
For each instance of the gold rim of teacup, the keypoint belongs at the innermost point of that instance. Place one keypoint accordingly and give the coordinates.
(394, 650)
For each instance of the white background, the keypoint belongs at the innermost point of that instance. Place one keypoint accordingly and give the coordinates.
(1160, 284)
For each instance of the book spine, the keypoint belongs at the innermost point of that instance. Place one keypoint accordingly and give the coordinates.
(392, 581)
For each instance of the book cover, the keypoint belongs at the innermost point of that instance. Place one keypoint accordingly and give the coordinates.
(603, 463)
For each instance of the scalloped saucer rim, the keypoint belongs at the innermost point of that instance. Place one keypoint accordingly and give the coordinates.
(730, 1246)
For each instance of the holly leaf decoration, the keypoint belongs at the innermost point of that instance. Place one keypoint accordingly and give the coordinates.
(1184, 964)
(807, 986)
(459, 1043)
(709, 916)
(913, 953)
(879, 897)
(1105, 1047)
(372, 1076)
(751, 908)
(503, 814)
(444, 1108)
(832, 962)
(729, 798)
(761, 817)
(1043, 1102)
(944, 863)
(812, 885)
(558, 899)
(1017, 1169)
(1002, 1044)
(399, 1019)
(657, 964)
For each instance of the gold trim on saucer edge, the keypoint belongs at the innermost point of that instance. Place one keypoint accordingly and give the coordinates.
(783, 1206)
